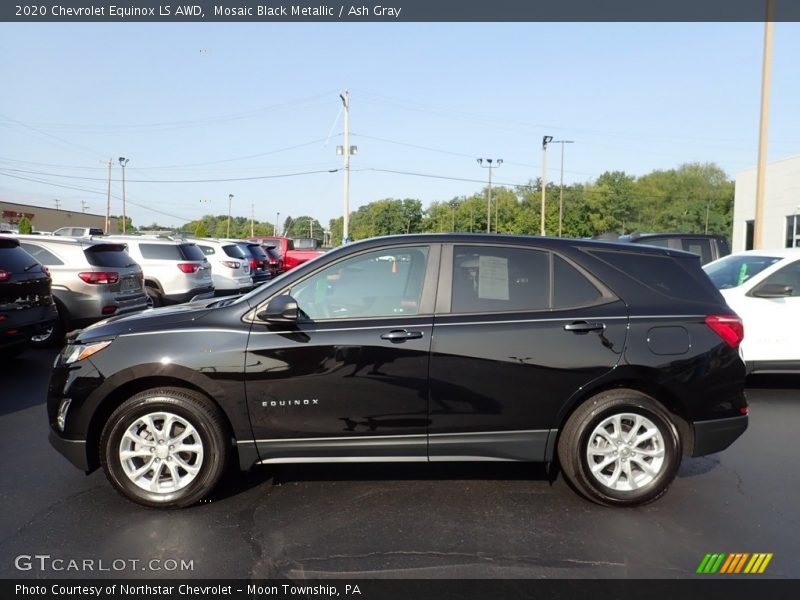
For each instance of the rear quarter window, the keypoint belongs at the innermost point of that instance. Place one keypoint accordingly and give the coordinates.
(162, 251)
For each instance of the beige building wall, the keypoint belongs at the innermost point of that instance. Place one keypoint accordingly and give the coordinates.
(50, 219)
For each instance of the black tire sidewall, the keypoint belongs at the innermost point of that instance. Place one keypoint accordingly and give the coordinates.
(141, 405)
(672, 449)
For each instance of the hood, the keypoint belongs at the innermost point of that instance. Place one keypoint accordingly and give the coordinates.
(147, 320)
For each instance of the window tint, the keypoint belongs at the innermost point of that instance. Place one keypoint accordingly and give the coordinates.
(43, 255)
(385, 283)
(660, 242)
(571, 288)
(698, 246)
(207, 250)
(108, 255)
(491, 279)
(192, 252)
(674, 277)
(788, 275)
(161, 251)
(733, 271)
(234, 251)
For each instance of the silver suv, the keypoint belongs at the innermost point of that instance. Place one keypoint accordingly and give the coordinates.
(230, 267)
(78, 231)
(174, 271)
(92, 280)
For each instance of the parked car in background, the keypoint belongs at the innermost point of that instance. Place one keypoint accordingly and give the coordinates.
(290, 256)
(707, 247)
(274, 261)
(92, 280)
(258, 260)
(78, 231)
(306, 243)
(175, 271)
(612, 360)
(26, 303)
(763, 287)
(230, 266)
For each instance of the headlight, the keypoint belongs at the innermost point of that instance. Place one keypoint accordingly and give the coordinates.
(82, 351)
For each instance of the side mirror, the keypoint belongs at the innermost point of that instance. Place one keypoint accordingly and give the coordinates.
(281, 309)
(772, 290)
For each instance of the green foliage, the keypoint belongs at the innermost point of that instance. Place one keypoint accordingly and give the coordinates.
(200, 230)
(24, 225)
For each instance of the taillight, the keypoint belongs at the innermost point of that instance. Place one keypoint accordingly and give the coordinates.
(728, 327)
(189, 267)
(99, 277)
(253, 264)
(4, 275)
(231, 264)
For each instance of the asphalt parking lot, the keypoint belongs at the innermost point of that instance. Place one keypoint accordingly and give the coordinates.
(485, 520)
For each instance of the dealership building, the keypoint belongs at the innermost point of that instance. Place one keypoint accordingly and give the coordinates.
(781, 227)
(50, 219)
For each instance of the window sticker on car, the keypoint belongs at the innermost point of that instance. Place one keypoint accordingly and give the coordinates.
(492, 278)
(742, 274)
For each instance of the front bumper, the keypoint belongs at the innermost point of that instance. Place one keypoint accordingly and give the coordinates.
(717, 434)
(73, 450)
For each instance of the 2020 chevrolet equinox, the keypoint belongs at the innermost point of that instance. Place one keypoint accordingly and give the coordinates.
(611, 360)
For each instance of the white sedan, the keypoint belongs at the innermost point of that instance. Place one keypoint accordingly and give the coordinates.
(763, 287)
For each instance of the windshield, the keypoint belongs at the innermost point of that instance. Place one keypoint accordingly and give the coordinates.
(732, 271)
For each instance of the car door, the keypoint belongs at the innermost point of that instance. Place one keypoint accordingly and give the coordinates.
(772, 324)
(518, 330)
(349, 379)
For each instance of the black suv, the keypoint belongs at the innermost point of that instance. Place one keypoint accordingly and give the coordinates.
(609, 359)
(26, 306)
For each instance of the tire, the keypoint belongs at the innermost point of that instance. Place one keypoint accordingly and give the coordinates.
(154, 296)
(152, 472)
(53, 336)
(605, 464)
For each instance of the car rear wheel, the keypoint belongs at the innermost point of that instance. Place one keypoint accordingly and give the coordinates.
(620, 448)
(154, 296)
(165, 447)
(52, 336)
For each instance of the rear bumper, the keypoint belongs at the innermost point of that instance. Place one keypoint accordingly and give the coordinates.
(73, 450)
(196, 293)
(717, 434)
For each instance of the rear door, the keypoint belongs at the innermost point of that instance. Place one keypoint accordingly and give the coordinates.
(518, 330)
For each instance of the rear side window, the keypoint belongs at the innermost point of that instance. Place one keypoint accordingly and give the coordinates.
(43, 255)
(162, 251)
(207, 250)
(108, 255)
(494, 279)
(191, 252)
(698, 246)
(570, 286)
(788, 275)
(675, 277)
(234, 251)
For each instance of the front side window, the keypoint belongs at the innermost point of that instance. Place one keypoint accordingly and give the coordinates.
(788, 275)
(384, 283)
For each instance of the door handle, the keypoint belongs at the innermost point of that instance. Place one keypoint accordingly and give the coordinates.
(399, 335)
(584, 326)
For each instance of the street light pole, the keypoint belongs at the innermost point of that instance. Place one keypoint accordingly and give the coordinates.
(545, 140)
(346, 151)
(561, 187)
(761, 170)
(491, 163)
(123, 162)
(230, 201)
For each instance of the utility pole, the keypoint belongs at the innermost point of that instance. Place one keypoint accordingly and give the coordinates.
(252, 219)
(275, 229)
(491, 163)
(58, 203)
(311, 228)
(108, 199)
(545, 140)
(346, 151)
(84, 205)
(123, 162)
(230, 200)
(561, 187)
(761, 171)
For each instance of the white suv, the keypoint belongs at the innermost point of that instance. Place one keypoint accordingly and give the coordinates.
(230, 267)
(174, 271)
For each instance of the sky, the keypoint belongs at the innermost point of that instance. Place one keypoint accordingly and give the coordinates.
(204, 110)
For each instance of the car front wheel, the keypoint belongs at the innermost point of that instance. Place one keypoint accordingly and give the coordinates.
(620, 448)
(165, 447)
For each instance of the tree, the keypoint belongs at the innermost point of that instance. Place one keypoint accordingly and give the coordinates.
(200, 230)
(128, 224)
(24, 225)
